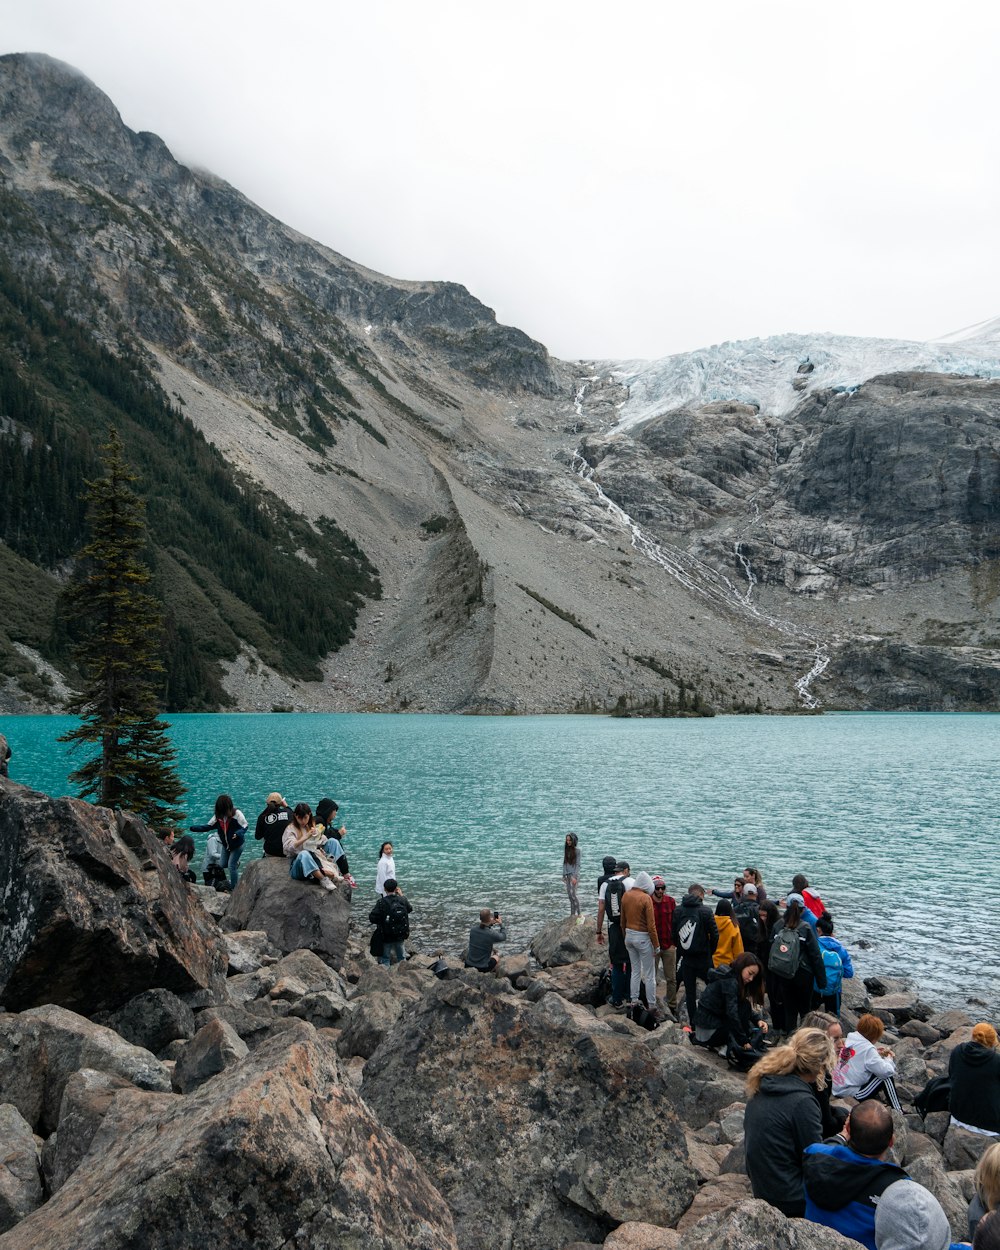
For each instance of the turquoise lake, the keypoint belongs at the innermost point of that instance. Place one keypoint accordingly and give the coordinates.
(892, 817)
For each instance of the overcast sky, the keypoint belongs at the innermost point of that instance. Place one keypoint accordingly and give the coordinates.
(618, 180)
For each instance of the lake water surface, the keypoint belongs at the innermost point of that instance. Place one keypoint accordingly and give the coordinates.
(892, 817)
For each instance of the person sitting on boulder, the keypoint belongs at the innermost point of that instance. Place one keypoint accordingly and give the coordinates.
(974, 1071)
(332, 837)
(272, 823)
(304, 866)
(844, 1182)
(909, 1217)
(182, 852)
(730, 1010)
(986, 1197)
(167, 836)
(482, 938)
(391, 915)
(833, 1116)
(865, 1069)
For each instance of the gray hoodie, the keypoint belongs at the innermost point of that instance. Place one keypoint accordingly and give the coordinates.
(909, 1217)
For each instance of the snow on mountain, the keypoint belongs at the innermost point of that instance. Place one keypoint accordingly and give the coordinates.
(776, 373)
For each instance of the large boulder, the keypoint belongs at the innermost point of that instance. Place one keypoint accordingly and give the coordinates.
(698, 1084)
(755, 1225)
(85, 1102)
(278, 1151)
(153, 1020)
(530, 1117)
(295, 915)
(20, 1179)
(92, 910)
(567, 941)
(215, 1047)
(40, 1050)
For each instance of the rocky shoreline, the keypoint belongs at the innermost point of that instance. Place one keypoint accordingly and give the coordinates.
(179, 1066)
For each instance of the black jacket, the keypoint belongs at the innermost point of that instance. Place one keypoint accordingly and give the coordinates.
(695, 930)
(383, 909)
(271, 825)
(720, 1006)
(781, 1119)
(975, 1085)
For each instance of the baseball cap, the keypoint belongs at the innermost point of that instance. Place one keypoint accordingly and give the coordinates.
(275, 797)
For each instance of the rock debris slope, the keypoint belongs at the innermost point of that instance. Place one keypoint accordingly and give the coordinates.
(780, 529)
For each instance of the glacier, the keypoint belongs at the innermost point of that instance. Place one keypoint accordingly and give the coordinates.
(774, 374)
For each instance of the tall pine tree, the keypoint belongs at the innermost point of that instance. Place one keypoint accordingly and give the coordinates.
(118, 654)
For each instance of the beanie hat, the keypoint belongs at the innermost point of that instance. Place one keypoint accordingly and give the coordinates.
(985, 1034)
(608, 863)
(644, 881)
(909, 1217)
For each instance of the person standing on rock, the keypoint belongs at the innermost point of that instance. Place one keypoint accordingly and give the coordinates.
(610, 904)
(482, 938)
(571, 871)
(304, 866)
(696, 936)
(230, 825)
(795, 967)
(386, 869)
(730, 939)
(663, 908)
(782, 1118)
(751, 876)
(272, 823)
(391, 915)
(639, 923)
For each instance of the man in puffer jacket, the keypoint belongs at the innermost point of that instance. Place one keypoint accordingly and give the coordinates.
(696, 936)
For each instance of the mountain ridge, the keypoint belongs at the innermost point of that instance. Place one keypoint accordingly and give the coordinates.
(539, 546)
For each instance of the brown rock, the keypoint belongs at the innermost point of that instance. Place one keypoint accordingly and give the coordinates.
(85, 1102)
(20, 1179)
(295, 915)
(635, 1235)
(717, 1195)
(530, 1116)
(101, 913)
(276, 1152)
(40, 1050)
(247, 950)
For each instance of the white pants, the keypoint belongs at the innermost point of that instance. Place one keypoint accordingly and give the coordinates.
(640, 952)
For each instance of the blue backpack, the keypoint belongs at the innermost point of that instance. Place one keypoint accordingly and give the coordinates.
(834, 966)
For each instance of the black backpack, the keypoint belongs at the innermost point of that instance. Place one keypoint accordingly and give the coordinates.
(748, 920)
(395, 924)
(613, 896)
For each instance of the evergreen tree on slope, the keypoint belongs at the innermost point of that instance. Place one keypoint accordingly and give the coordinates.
(119, 654)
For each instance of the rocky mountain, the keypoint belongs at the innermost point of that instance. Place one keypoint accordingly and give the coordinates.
(366, 493)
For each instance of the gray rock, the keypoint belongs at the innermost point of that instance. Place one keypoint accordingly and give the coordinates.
(40, 1050)
(153, 1020)
(923, 1032)
(488, 1089)
(963, 1149)
(247, 987)
(295, 915)
(102, 913)
(372, 1018)
(247, 950)
(20, 1179)
(936, 1125)
(698, 1085)
(750, 1224)
(85, 1102)
(713, 1197)
(313, 973)
(323, 1009)
(567, 942)
(947, 1022)
(635, 1235)
(215, 1047)
(919, 1145)
(927, 1171)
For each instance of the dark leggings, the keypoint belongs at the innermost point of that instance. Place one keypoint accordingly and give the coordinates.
(790, 999)
(693, 968)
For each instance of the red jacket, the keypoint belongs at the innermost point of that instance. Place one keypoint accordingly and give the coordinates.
(663, 910)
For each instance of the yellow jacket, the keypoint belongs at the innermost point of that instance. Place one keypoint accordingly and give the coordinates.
(730, 941)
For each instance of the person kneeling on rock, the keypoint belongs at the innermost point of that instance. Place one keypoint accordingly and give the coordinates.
(482, 938)
(304, 866)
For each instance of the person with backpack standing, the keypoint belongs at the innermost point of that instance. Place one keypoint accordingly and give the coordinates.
(639, 923)
(610, 905)
(663, 908)
(696, 936)
(746, 913)
(794, 961)
(837, 961)
(391, 915)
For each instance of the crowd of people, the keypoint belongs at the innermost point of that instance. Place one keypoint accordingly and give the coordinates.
(750, 959)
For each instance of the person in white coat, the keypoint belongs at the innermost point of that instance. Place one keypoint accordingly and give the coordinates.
(864, 1069)
(386, 869)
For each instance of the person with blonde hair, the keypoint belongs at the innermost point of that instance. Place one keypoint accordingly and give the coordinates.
(974, 1072)
(865, 1069)
(987, 1183)
(782, 1117)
